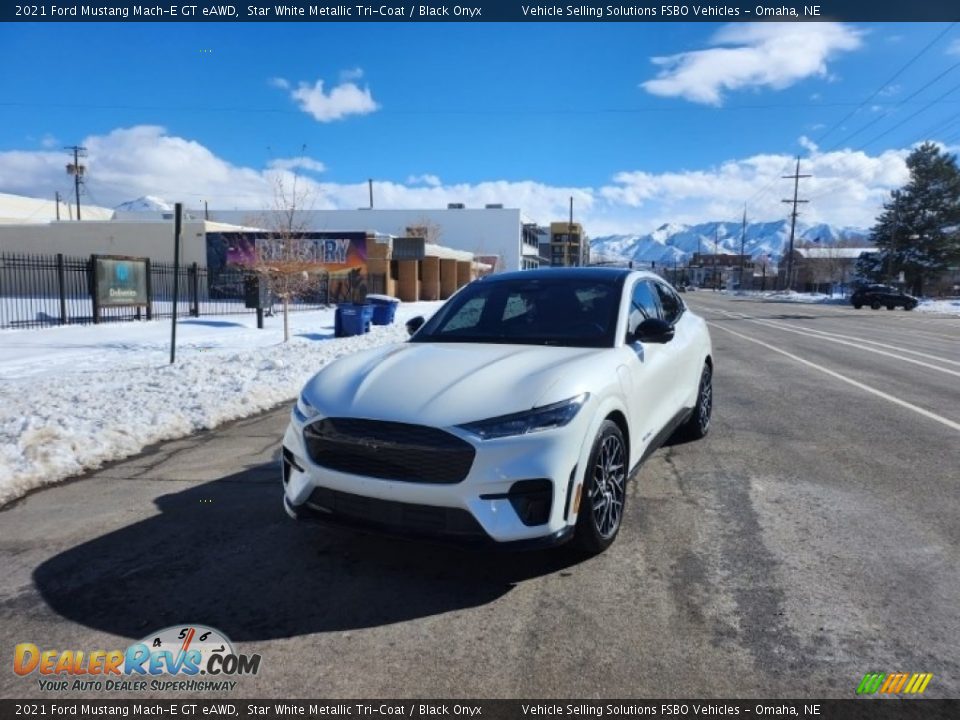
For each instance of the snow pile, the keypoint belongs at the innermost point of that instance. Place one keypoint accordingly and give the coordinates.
(74, 398)
(946, 307)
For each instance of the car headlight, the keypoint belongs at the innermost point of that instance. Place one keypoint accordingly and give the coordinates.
(303, 411)
(542, 418)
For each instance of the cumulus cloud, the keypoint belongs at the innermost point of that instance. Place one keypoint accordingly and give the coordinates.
(340, 101)
(431, 180)
(847, 188)
(752, 55)
(298, 163)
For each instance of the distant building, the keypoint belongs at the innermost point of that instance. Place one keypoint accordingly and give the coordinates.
(721, 269)
(569, 246)
(824, 269)
(489, 231)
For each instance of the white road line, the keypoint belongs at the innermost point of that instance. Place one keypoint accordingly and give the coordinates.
(784, 328)
(873, 391)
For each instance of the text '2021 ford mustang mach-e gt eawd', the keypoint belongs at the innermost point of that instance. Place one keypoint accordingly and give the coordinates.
(515, 414)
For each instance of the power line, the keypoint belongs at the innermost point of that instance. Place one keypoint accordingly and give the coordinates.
(883, 115)
(880, 89)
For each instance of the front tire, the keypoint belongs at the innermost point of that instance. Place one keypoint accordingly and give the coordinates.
(604, 492)
(875, 305)
(698, 425)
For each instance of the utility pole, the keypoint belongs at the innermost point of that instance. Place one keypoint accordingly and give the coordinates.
(77, 170)
(569, 233)
(57, 196)
(206, 210)
(370, 186)
(793, 218)
(743, 240)
(716, 244)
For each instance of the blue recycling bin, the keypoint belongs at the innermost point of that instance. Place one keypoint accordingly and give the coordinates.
(352, 319)
(384, 308)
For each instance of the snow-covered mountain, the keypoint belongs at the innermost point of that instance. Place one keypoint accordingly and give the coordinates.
(673, 242)
(147, 203)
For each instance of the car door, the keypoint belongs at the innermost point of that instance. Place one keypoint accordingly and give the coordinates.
(647, 374)
(682, 350)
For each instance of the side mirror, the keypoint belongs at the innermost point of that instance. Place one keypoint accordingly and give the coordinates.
(654, 330)
(415, 324)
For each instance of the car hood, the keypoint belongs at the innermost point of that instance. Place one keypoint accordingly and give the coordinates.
(444, 384)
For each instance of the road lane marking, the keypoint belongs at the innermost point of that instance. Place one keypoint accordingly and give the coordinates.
(784, 328)
(857, 384)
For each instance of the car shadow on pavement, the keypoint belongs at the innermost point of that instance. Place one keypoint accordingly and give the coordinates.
(225, 554)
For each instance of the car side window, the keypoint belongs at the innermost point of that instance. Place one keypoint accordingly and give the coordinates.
(643, 305)
(671, 304)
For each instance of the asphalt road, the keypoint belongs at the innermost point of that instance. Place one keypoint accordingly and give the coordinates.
(814, 536)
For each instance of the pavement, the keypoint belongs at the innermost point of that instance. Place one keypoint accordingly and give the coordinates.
(811, 538)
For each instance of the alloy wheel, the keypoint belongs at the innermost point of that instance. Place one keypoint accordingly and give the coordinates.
(705, 404)
(608, 489)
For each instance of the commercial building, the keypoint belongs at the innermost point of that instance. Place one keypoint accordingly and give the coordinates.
(491, 231)
(569, 246)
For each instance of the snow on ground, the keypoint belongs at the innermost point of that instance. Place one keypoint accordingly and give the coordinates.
(73, 398)
(945, 307)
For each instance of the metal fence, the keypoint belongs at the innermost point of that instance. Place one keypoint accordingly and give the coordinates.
(44, 290)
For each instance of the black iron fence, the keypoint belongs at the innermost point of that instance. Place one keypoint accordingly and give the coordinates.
(45, 290)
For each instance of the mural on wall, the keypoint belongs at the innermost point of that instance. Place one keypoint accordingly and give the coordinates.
(342, 256)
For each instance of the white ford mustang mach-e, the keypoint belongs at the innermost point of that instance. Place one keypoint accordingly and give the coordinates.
(516, 414)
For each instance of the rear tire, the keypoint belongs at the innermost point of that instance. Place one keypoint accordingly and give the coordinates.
(857, 306)
(604, 496)
(875, 305)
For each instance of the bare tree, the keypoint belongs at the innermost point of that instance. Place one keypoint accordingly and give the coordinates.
(430, 231)
(286, 261)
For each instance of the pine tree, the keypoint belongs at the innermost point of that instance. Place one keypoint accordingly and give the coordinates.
(917, 230)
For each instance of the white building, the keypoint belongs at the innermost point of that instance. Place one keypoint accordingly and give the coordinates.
(485, 232)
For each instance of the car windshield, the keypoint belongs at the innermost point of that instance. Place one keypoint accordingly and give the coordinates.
(569, 311)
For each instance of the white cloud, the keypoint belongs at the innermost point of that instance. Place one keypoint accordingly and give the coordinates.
(847, 188)
(48, 141)
(298, 163)
(279, 82)
(954, 47)
(344, 99)
(752, 55)
(808, 144)
(351, 74)
(431, 180)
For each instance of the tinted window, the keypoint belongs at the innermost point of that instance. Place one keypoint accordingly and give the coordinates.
(552, 311)
(671, 304)
(643, 305)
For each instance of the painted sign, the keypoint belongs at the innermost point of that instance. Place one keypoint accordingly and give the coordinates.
(340, 259)
(120, 281)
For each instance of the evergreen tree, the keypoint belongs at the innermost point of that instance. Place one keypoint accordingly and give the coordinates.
(917, 230)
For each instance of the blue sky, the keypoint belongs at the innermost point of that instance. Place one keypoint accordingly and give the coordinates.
(642, 123)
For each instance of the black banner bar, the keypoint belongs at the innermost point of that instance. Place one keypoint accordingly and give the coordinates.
(484, 11)
(888, 709)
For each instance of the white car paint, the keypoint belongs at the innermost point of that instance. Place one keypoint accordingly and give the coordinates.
(445, 385)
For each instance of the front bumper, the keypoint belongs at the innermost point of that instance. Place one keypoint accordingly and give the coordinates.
(518, 493)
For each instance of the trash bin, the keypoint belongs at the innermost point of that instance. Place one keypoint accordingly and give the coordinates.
(352, 319)
(384, 308)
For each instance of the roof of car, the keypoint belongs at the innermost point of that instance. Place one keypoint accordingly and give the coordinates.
(579, 273)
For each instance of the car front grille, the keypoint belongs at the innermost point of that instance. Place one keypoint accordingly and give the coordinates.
(392, 516)
(389, 450)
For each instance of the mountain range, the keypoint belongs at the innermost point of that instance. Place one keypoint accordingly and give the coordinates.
(676, 243)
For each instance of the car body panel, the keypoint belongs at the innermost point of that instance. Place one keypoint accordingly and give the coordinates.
(445, 385)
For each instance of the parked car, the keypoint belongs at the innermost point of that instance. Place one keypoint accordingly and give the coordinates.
(515, 415)
(877, 296)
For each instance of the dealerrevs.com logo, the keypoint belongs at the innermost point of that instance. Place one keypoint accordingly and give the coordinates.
(188, 658)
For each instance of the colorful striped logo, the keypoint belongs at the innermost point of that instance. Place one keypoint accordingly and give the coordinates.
(894, 683)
